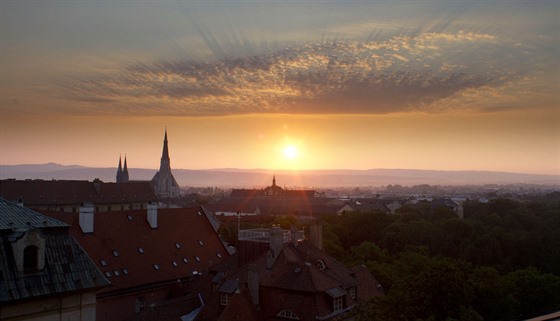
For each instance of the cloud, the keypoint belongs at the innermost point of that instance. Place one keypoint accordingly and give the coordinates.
(427, 72)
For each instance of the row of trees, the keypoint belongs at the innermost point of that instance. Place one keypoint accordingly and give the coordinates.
(501, 261)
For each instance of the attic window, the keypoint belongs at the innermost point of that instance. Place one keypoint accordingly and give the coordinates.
(218, 255)
(288, 314)
(103, 262)
(177, 245)
(199, 213)
(116, 273)
(185, 260)
(31, 258)
(125, 271)
(156, 266)
(108, 274)
(115, 253)
(200, 243)
(197, 258)
(140, 250)
(129, 218)
(174, 263)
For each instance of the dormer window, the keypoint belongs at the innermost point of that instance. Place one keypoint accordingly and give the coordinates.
(31, 258)
(287, 314)
(321, 264)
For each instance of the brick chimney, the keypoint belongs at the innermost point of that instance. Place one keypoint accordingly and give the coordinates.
(276, 242)
(86, 217)
(152, 215)
(316, 235)
(253, 283)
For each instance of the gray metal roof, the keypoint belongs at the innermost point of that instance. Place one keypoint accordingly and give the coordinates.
(67, 267)
(13, 216)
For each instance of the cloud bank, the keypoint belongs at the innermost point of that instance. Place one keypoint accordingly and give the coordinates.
(427, 72)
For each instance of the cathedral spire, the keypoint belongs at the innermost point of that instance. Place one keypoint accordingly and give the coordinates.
(125, 171)
(165, 153)
(119, 171)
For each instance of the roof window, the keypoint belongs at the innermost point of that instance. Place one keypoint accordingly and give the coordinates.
(129, 218)
(288, 314)
(177, 245)
(199, 213)
(185, 260)
(174, 263)
(200, 243)
(108, 274)
(103, 262)
(140, 250)
(125, 271)
(156, 267)
(197, 258)
(115, 253)
(218, 255)
(116, 273)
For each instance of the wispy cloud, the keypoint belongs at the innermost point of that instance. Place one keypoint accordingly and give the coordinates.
(427, 72)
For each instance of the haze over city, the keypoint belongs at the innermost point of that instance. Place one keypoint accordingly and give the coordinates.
(437, 85)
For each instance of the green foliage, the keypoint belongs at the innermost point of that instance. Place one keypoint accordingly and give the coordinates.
(500, 262)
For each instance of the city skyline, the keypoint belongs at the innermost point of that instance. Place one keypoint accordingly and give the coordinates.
(442, 85)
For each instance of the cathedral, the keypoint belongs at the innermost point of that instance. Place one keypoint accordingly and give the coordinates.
(122, 173)
(164, 183)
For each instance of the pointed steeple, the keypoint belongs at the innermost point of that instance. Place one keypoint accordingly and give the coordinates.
(273, 181)
(125, 171)
(119, 171)
(165, 165)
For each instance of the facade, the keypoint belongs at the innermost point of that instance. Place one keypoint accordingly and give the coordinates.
(154, 258)
(68, 196)
(164, 183)
(44, 273)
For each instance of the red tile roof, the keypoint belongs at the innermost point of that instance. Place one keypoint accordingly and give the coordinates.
(124, 242)
(43, 192)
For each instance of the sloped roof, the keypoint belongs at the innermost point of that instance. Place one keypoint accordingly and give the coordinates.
(14, 216)
(67, 266)
(63, 192)
(145, 255)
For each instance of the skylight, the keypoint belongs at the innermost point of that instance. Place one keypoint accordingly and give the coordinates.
(116, 273)
(218, 255)
(177, 245)
(185, 260)
(197, 258)
(115, 253)
(125, 271)
(174, 263)
(200, 243)
(156, 266)
(108, 274)
(103, 262)
(140, 250)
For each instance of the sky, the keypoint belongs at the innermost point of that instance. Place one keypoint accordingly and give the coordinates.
(438, 85)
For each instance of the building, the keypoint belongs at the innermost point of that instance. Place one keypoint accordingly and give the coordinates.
(44, 273)
(272, 191)
(68, 196)
(152, 257)
(122, 173)
(164, 184)
(292, 279)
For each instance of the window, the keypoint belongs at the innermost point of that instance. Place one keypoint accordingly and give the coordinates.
(140, 304)
(108, 274)
(115, 253)
(174, 263)
(116, 273)
(140, 250)
(352, 292)
(218, 255)
(338, 303)
(156, 266)
(103, 262)
(177, 245)
(125, 271)
(199, 213)
(288, 314)
(185, 260)
(31, 258)
(224, 299)
(200, 243)
(129, 217)
(321, 264)
(197, 258)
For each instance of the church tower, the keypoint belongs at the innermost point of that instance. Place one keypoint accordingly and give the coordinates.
(122, 173)
(164, 183)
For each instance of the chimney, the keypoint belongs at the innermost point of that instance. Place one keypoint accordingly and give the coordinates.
(294, 235)
(316, 235)
(86, 217)
(253, 283)
(97, 186)
(152, 215)
(275, 241)
(20, 202)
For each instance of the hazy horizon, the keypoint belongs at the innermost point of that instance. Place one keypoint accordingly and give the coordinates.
(283, 85)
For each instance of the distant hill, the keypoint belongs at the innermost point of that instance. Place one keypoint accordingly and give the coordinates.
(249, 178)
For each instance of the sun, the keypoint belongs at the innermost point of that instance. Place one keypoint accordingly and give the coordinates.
(290, 152)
